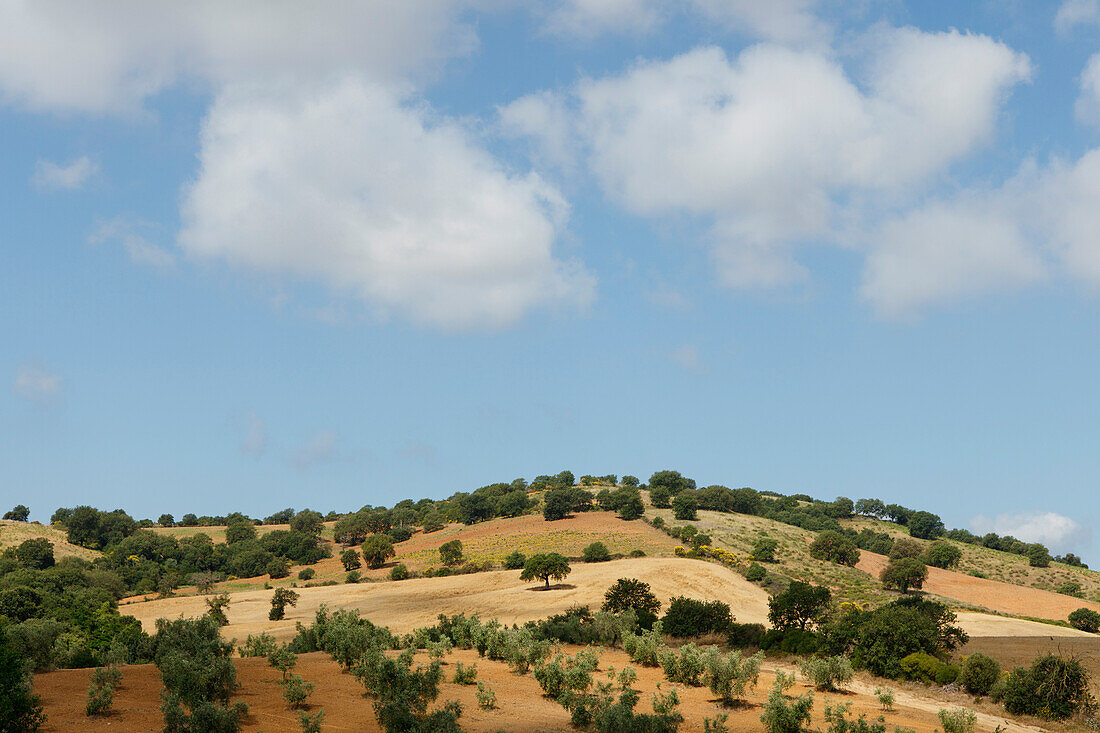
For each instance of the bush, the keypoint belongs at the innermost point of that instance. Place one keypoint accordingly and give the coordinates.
(376, 550)
(450, 553)
(400, 534)
(486, 697)
(282, 598)
(783, 716)
(835, 547)
(690, 617)
(465, 675)
(978, 673)
(684, 507)
(903, 548)
(596, 552)
(100, 697)
(295, 691)
(631, 594)
(826, 672)
(743, 636)
(402, 695)
(399, 572)
(943, 554)
(515, 561)
(1070, 588)
(36, 554)
(755, 572)
(839, 722)
(920, 667)
(198, 677)
(763, 550)
(215, 609)
(800, 606)
(311, 723)
(1053, 688)
(306, 574)
(903, 574)
(352, 576)
(685, 665)
(730, 675)
(258, 646)
(959, 720)
(790, 641)
(20, 708)
(1085, 619)
(885, 697)
(282, 659)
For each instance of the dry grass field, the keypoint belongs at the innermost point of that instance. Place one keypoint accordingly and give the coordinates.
(15, 533)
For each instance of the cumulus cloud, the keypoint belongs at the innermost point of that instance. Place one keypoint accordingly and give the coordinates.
(1056, 531)
(49, 176)
(775, 145)
(588, 18)
(1088, 101)
(126, 233)
(356, 188)
(1073, 13)
(320, 448)
(36, 382)
(116, 55)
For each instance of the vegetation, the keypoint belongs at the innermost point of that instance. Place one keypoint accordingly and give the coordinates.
(198, 677)
(835, 547)
(978, 673)
(545, 566)
(631, 594)
(826, 672)
(689, 617)
(376, 549)
(1054, 687)
(801, 606)
(402, 694)
(282, 598)
(101, 690)
(1085, 619)
(450, 553)
(596, 552)
(20, 708)
(904, 573)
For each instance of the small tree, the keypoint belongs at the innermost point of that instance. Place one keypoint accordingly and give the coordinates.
(215, 609)
(835, 547)
(904, 547)
(166, 520)
(1038, 556)
(36, 553)
(826, 672)
(18, 513)
(450, 553)
(926, 526)
(730, 675)
(904, 574)
(684, 507)
(763, 550)
(308, 522)
(295, 691)
(20, 708)
(800, 606)
(545, 566)
(943, 554)
(1085, 619)
(350, 560)
(631, 594)
(282, 598)
(978, 673)
(515, 561)
(596, 552)
(376, 550)
(239, 531)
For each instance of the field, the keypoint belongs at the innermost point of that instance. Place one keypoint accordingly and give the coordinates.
(14, 533)
(522, 708)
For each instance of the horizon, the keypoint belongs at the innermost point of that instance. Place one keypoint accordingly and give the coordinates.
(330, 257)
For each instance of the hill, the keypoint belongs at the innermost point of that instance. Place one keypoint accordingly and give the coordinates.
(15, 533)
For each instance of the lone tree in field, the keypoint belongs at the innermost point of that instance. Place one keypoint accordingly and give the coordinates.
(451, 552)
(903, 574)
(376, 550)
(545, 566)
(350, 560)
(283, 597)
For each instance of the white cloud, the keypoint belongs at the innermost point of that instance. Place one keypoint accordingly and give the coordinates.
(110, 57)
(778, 146)
(320, 448)
(779, 20)
(37, 383)
(589, 18)
(544, 119)
(1073, 13)
(356, 188)
(1088, 101)
(141, 251)
(254, 442)
(50, 176)
(1056, 531)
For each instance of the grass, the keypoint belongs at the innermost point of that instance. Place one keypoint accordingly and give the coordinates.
(15, 533)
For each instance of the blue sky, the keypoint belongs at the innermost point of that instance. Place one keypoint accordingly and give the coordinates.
(332, 255)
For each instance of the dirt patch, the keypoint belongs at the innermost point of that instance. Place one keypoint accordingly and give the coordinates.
(405, 605)
(521, 706)
(991, 594)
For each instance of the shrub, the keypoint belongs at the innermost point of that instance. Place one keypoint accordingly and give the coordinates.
(689, 617)
(943, 554)
(920, 667)
(1038, 556)
(399, 572)
(685, 665)
(885, 697)
(545, 566)
(903, 574)
(800, 606)
(311, 723)
(1070, 588)
(306, 574)
(258, 646)
(978, 673)
(742, 636)
(903, 548)
(36, 553)
(295, 691)
(959, 720)
(282, 659)
(1085, 619)
(464, 675)
(350, 560)
(1053, 688)
(684, 507)
(631, 594)
(401, 694)
(826, 672)
(515, 561)
(755, 572)
(486, 697)
(198, 677)
(645, 648)
(215, 609)
(596, 552)
(282, 598)
(99, 701)
(783, 716)
(839, 722)
(277, 568)
(730, 675)
(450, 553)
(352, 576)
(763, 550)
(376, 550)
(400, 534)
(20, 708)
(834, 547)
(790, 641)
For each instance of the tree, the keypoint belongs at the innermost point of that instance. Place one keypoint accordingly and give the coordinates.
(450, 553)
(943, 554)
(351, 529)
(596, 552)
(660, 497)
(36, 553)
(350, 560)
(166, 520)
(764, 549)
(926, 526)
(378, 521)
(835, 547)
(515, 560)
(671, 480)
(282, 598)
(1085, 619)
(239, 532)
(545, 566)
(904, 573)
(308, 522)
(632, 594)
(19, 513)
(800, 606)
(871, 508)
(514, 503)
(560, 503)
(475, 507)
(630, 480)
(215, 609)
(20, 709)
(376, 550)
(1053, 688)
(684, 506)
(631, 507)
(1037, 556)
(906, 548)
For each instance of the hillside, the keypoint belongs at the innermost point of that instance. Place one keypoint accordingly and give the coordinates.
(15, 533)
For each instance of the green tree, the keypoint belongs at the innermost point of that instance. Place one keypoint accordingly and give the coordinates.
(631, 594)
(764, 549)
(926, 526)
(350, 560)
(351, 529)
(308, 522)
(943, 554)
(630, 480)
(545, 566)
(166, 520)
(631, 507)
(515, 560)
(1085, 619)
(36, 553)
(903, 574)
(596, 552)
(376, 550)
(835, 547)
(906, 548)
(239, 532)
(514, 503)
(18, 513)
(1038, 556)
(282, 598)
(450, 553)
(475, 507)
(684, 506)
(671, 480)
(800, 606)
(215, 609)
(20, 708)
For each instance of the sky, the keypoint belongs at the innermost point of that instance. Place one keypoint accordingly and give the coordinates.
(328, 254)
